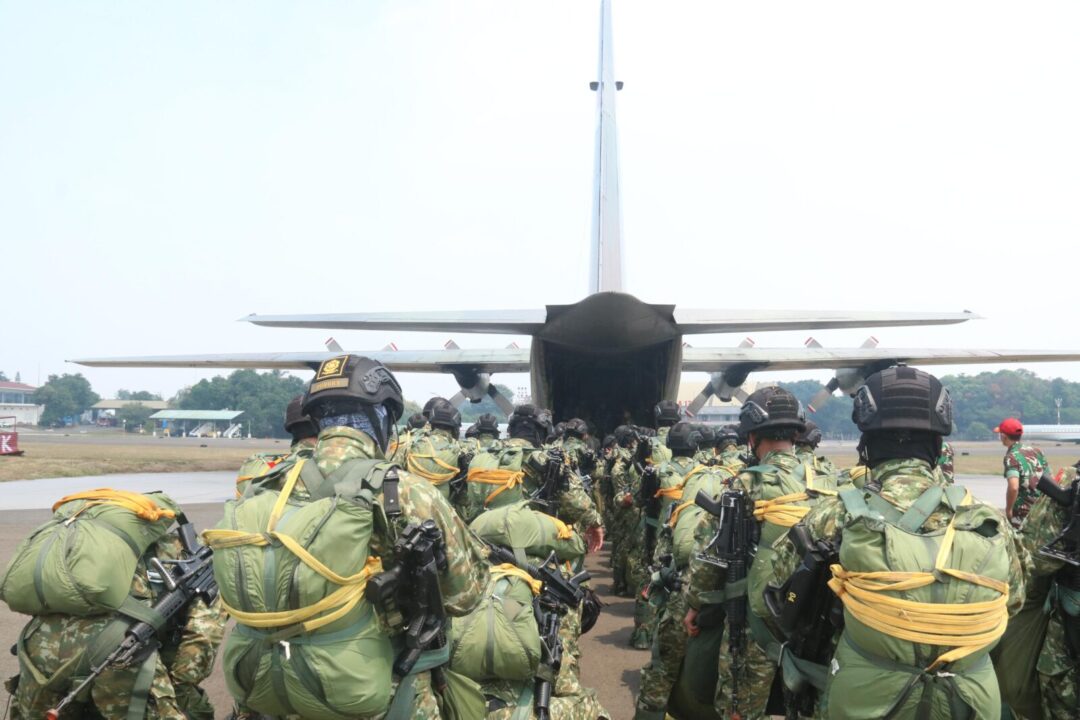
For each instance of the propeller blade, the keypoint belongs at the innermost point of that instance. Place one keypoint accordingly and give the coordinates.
(812, 343)
(459, 400)
(870, 343)
(501, 400)
(823, 396)
(451, 345)
(740, 394)
(333, 346)
(699, 402)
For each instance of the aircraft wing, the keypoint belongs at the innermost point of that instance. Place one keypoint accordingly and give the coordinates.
(531, 322)
(756, 358)
(507, 322)
(693, 321)
(502, 360)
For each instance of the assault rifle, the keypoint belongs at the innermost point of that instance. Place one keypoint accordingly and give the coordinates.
(457, 483)
(1066, 546)
(552, 483)
(730, 550)
(558, 594)
(650, 505)
(808, 614)
(411, 588)
(186, 579)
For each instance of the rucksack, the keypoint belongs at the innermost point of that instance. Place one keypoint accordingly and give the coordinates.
(499, 639)
(495, 479)
(433, 457)
(686, 514)
(292, 572)
(81, 562)
(529, 532)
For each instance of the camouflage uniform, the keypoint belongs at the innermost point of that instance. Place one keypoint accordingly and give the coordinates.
(660, 675)
(466, 576)
(761, 482)
(901, 483)
(821, 464)
(398, 447)
(1026, 463)
(1058, 664)
(583, 706)
(945, 461)
(575, 506)
(733, 456)
(180, 665)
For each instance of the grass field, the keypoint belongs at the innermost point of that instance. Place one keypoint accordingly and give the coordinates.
(139, 455)
(90, 454)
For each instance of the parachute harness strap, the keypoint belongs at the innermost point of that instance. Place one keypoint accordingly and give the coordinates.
(331, 608)
(143, 507)
(675, 491)
(967, 627)
(509, 570)
(505, 479)
(433, 476)
(782, 510)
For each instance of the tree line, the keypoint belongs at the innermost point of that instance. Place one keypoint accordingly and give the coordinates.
(980, 401)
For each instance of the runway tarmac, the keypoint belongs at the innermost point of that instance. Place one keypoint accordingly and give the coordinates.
(608, 664)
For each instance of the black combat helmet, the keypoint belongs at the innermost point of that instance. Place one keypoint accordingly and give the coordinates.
(298, 424)
(903, 398)
(727, 435)
(426, 412)
(666, 413)
(708, 435)
(575, 427)
(353, 385)
(624, 435)
(447, 417)
(487, 424)
(771, 408)
(529, 422)
(683, 439)
(810, 436)
(557, 431)
(416, 421)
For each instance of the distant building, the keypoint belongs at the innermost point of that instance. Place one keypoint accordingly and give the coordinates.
(18, 399)
(199, 423)
(715, 411)
(104, 411)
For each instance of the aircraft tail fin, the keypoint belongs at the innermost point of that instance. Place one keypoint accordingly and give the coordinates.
(606, 267)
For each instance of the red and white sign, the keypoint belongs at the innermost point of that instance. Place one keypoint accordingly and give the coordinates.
(9, 443)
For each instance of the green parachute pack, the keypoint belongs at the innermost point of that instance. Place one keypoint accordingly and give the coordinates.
(495, 479)
(499, 640)
(434, 457)
(81, 562)
(292, 568)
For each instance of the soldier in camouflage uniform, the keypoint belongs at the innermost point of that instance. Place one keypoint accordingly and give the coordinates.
(1058, 666)
(806, 445)
(770, 418)
(681, 482)
(729, 450)
(652, 451)
(624, 514)
(582, 458)
(481, 435)
(355, 401)
(181, 664)
(436, 454)
(418, 426)
(903, 414)
(303, 432)
(1024, 465)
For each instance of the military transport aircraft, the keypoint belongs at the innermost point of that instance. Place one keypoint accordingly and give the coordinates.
(609, 357)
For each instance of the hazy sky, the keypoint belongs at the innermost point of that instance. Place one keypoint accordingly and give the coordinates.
(166, 168)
